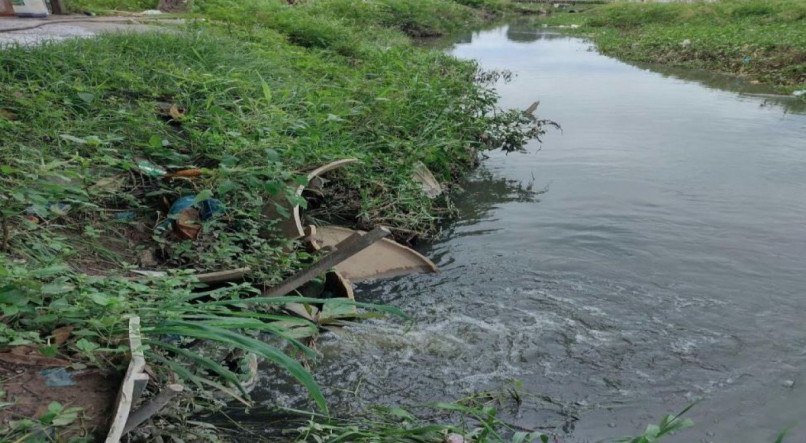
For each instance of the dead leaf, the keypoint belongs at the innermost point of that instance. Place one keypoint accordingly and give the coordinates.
(60, 335)
(8, 115)
(187, 173)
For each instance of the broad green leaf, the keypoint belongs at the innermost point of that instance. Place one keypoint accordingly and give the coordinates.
(57, 288)
(86, 345)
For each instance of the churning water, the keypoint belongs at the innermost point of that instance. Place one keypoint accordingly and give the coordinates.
(664, 263)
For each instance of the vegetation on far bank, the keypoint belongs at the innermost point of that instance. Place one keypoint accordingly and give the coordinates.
(95, 132)
(761, 40)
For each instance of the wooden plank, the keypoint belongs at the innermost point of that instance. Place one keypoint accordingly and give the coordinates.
(342, 251)
(135, 376)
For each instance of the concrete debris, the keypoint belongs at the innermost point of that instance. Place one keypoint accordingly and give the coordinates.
(384, 259)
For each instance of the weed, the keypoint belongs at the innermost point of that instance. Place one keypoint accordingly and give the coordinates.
(394, 424)
(667, 426)
(52, 422)
(107, 5)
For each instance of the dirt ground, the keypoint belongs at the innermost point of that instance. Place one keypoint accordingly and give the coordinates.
(29, 393)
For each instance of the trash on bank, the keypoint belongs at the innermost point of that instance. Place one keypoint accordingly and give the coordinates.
(384, 259)
(350, 246)
(427, 181)
(186, 214)
(57, 377)
(291, 226)
(334, 286)
(150, 169)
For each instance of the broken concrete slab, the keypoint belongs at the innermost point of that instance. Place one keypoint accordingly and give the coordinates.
(384, 259)
(291, 226)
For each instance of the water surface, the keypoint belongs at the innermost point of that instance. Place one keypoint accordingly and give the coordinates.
(664, 263)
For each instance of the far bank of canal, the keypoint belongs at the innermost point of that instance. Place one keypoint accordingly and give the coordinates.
(663, 264)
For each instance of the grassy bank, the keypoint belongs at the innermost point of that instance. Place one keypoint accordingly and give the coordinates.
(761, 40)
(95, 131)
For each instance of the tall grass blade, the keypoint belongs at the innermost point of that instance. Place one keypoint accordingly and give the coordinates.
(221, 335)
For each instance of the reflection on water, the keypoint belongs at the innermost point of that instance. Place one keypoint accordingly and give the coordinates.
(484, 192)
(664, 264)
(527, 31)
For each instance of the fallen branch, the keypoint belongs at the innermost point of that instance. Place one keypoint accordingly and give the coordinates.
(224, 276)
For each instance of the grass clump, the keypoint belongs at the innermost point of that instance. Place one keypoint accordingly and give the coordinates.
(763, 40)
(110, 5)
(477, 423)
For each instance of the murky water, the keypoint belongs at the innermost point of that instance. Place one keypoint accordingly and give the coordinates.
(664, 263)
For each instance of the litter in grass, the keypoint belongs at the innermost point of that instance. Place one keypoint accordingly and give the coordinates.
(426, 179)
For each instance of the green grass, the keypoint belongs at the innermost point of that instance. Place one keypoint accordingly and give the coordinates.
(762, 40)
(477, 423)
(107, 5)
